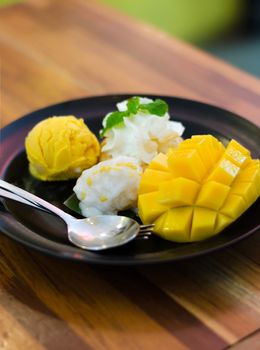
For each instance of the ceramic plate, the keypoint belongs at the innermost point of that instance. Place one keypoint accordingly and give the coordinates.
(47, 233)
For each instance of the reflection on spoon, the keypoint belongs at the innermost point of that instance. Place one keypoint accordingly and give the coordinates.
(94, 233)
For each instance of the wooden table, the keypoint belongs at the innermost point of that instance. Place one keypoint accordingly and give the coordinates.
(57, 50)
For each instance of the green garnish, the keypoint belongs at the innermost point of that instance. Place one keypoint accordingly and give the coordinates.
(113, 119)
(157, 107)
(73, 203)
(133, 104)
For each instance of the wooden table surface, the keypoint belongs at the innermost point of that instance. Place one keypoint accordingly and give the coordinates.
(57, 50)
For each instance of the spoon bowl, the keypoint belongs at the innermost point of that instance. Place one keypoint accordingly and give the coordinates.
(95, 233)
(102, 231)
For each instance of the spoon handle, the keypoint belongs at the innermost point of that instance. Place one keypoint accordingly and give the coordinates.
(9, 195)
(32, 199)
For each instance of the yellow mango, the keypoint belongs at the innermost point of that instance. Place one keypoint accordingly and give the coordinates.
(159, 223)
(187, 163)
(237, 154)
(213, 146)
(174, 225)
(203, 223)
(233, 144)
(212, 195)
(206, 146)
(198, 189)
(251, 173)
(222, 222)
(151, 179)
(225, 172)
(149, 207)
(247, 190)
(178, 192)
(160, 162)
(234, 206)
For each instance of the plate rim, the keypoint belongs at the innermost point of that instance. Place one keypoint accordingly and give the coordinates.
(107, 259)
(128, 95)
(112, 262)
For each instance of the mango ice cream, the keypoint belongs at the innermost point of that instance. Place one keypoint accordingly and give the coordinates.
(60, 148)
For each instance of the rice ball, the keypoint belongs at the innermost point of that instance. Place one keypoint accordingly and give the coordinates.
(142, 135)
(109, 186)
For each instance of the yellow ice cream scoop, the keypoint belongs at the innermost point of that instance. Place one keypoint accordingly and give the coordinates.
(60, 148)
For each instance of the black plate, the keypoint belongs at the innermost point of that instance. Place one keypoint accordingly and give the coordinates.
(48, 234)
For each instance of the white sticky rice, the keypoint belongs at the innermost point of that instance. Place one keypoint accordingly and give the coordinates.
(109, 186)
(142, 136)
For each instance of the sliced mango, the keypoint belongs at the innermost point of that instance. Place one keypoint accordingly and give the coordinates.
(225, 172)
(208, 148)
(149, 207)
(234, 206)
(198, 189)
(203, 224)
(222, 222)
(237, 154)
(187, 163)
(251, 173)
(247, 190)
(214, 147)
(151, 179)
(212, 195)
(178, 192)
(174, 225)
(160, 162)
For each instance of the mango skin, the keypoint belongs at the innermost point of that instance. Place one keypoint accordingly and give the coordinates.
(205, 187)
(60, 148)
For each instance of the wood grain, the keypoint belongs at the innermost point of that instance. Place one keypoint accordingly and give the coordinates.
(56, 50)
(251, 342)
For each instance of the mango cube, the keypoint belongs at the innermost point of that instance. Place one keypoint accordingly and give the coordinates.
(151, 179)
(203, 223)
(187, 163)
(149, 207)
(247, 190)
(175, 224)
(251, 173)
(160, 162)
(178, 192)
(238, 154)
(207, 146)
(234, 206)
(225, 172)
(198, 189)
(222, 222)
(215, 148)
(212, 195)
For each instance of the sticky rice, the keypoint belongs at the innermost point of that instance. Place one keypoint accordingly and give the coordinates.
(142, 136)
(109, 186)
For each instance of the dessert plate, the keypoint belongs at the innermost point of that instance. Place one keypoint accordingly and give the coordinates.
(47, 233)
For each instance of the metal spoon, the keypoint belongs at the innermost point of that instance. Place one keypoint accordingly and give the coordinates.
(94, 233)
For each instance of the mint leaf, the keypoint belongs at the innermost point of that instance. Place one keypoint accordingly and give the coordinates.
(157, 107)
(133, 104)
(113, 119)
